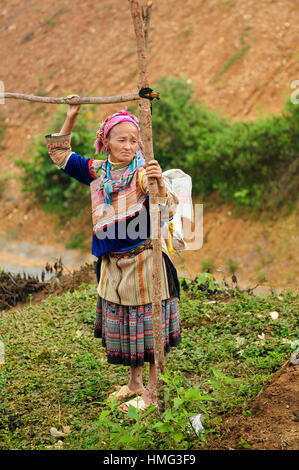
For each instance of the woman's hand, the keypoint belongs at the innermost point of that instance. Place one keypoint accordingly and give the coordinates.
(73, 109)
(72, 112)
(153, 170)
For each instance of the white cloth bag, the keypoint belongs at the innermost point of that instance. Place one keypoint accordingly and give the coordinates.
(181, 184)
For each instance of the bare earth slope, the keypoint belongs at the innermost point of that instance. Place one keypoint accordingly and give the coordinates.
(88, 48)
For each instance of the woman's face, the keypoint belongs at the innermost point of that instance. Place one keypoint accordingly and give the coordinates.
(122, 142)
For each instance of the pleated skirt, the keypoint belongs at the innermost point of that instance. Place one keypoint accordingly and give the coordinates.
(127, 331)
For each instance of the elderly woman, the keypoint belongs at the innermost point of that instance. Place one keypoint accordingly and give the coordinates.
(120, 204)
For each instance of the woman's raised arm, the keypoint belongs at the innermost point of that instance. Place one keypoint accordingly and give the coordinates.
(72, 113)
(60, 150)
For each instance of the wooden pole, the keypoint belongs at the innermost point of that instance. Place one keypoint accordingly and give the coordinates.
(146, 16)
(146, 134)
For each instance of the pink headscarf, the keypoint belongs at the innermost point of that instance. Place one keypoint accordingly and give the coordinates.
(121, 116)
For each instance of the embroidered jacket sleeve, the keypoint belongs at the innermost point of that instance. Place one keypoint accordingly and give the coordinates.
(168, 203)
(82, 169)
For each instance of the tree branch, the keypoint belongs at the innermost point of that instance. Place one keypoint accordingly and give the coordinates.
(146, 16)
(87, 100)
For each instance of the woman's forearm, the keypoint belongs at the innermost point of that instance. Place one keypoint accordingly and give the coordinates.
(67, 126)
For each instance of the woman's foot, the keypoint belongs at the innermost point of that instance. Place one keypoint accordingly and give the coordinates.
(149, 395)
(147, 398)
(126, 392)
(136, 387)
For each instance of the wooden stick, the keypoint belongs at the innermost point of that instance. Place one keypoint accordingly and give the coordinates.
(146, 16)
(146, 134)
(87, 100)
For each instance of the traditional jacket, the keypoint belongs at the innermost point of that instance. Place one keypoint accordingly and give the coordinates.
(126, 261)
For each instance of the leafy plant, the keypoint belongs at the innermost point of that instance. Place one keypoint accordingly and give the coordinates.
(53, 189)
(236, 57)
(76, 241)
(232, 265)
(174, 427)
(243, 444)
(62, 376)
(207, 265)
(253, 165)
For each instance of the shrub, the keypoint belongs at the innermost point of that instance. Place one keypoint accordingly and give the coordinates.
(55, 190)
(250, 164)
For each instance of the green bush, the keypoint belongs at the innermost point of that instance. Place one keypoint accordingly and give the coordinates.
(252, 164)
(52, 188)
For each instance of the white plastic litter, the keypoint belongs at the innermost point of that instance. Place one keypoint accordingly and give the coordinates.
(274, 315)
(181, 184)
(196, 423)
(56, 433)
(294, 359)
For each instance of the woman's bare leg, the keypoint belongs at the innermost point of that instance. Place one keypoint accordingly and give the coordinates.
(135, 382)
(149, 395)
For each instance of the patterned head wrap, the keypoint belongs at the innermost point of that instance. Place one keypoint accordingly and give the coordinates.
(107, 185)
(105, 127)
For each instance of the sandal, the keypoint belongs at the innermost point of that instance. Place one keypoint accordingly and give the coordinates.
(124, 393)
(137, 403)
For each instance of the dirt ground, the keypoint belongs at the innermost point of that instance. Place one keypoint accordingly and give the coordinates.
(65, 46)
(66, 282)
(274, 422)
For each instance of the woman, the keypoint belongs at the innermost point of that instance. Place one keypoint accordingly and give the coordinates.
(120, 205)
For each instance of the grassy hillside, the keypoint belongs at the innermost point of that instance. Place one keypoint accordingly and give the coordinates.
(56, 373)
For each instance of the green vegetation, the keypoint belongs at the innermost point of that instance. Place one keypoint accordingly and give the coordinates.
(76, 241)
(2, 130)
(53, 189)
(253, 165)
(2, 187)
(236, 57)
(232, 265)
(207, 265)
(56, 373)
(5, 176)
